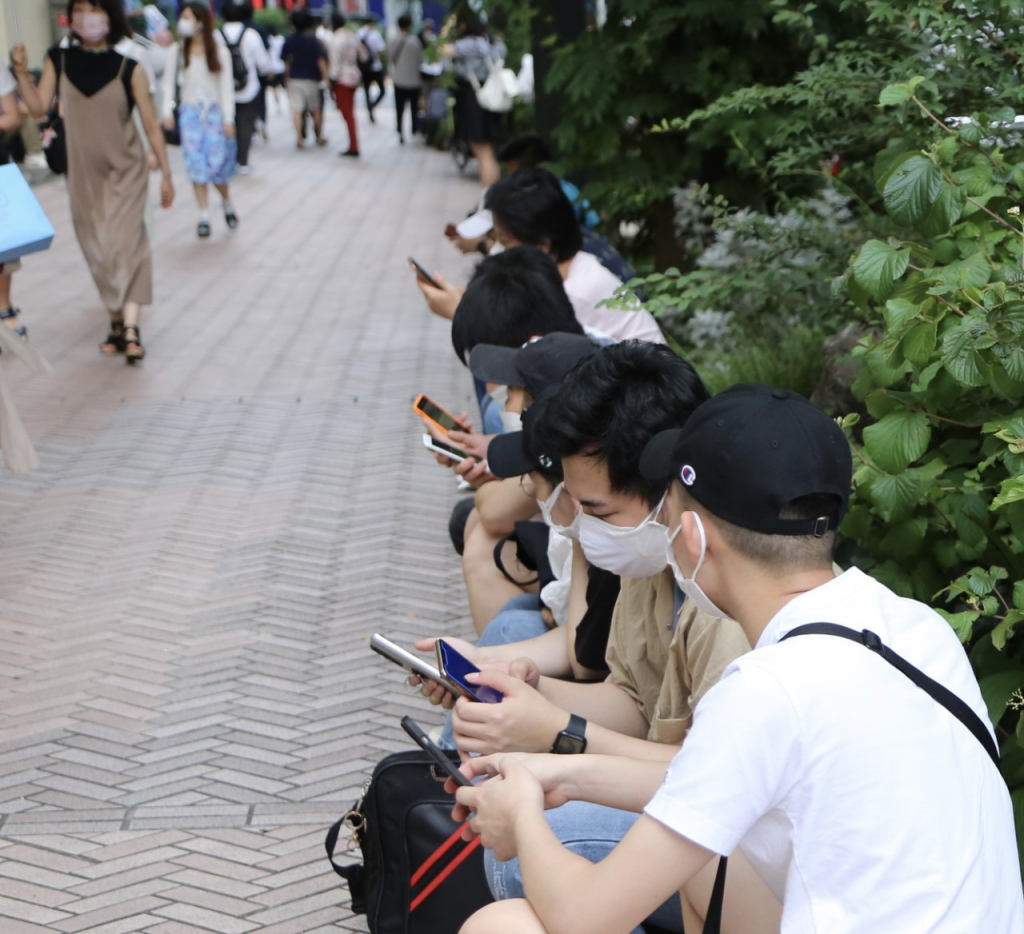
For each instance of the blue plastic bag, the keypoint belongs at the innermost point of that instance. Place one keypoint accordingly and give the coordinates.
(24, 228)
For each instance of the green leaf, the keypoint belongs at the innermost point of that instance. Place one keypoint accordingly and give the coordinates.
(895, 496)
(899, 314)
(1004, 630)
(912, 189)
(904, 539)
(1010, 491)
(944, 213)
(970, 273)
(1011, 357)
(897, 439)
(919, 343)
(894, 94)
(996, 690)
(959, 353)
(962, 623)
(878, 266)
(971, 133)
(1018, 595)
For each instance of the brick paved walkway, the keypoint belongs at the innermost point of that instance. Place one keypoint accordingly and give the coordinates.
(187, 697)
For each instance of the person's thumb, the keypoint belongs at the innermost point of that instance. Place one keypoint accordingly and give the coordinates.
(525, 669)
(498, 680)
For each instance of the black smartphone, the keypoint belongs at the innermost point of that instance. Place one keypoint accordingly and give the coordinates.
(423, 274)
(434, 751)
(454, 668)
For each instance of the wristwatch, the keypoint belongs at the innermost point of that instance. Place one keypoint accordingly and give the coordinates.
(571, 740)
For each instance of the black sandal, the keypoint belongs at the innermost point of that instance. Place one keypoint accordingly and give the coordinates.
(231, 218)
(13, 312)
(114, 344)
(203, 229)
(133, 349)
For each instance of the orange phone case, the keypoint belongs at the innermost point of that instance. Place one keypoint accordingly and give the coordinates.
(416, 408)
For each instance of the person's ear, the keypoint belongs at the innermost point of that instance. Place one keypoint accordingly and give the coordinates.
(690, 535)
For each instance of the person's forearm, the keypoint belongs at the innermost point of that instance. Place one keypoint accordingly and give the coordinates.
(612, 781)
(605, 704)
(502, 504)
(31, 96)
(10, 120)
(546, 650)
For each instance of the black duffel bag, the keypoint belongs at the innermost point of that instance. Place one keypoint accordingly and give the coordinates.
(417, 876)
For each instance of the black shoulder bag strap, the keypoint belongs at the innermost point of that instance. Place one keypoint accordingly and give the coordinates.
(941, 694)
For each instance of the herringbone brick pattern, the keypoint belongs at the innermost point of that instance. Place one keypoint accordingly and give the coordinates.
(188, 584)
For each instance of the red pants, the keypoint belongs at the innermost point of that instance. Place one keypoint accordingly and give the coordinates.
(345, 97)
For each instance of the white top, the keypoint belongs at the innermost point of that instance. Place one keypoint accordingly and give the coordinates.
(255, 56)
(587, 284)
(7, 83)
(276, 62)
(342, 54)
(864, 804)
(198, 86)
(375, 43)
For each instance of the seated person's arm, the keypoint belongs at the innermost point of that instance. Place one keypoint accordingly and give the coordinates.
(443, 301)
(502, 503)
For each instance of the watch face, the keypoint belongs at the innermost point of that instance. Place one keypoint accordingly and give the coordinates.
(567, 744)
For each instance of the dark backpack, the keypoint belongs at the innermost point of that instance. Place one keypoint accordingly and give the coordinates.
(239, 69)
(364, 61)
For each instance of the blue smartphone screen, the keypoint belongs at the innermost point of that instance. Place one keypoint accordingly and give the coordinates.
(457, 666)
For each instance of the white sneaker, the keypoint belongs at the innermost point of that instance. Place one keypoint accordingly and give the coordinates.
(245, 170)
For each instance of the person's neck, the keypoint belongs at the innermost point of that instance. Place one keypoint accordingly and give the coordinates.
(563, 267)
(95, 46)
(764, 592)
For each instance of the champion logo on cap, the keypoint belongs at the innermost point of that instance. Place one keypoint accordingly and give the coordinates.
(545, 461)
(687, 475)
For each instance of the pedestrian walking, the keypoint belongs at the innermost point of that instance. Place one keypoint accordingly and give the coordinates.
(371, 68)
(107, 177)
(10, 123)
(275, 80)
(343, 71)
(406, 57)
(249, 60)
(201, 77)
(305, 61)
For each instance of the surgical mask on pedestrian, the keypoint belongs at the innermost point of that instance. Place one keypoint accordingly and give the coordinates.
(511, 421)
(635, 551)
(90, 27)
(547, 505)
(689, 585)
(187, 28)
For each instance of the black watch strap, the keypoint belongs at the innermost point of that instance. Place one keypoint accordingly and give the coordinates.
(572, 740)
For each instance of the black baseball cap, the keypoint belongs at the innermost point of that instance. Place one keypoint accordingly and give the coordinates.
(749, 451)
(535, 366)
(514, 453)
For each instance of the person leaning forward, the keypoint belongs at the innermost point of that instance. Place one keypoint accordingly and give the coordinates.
(863, 803)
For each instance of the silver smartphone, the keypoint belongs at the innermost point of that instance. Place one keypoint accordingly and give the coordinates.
(411, 663)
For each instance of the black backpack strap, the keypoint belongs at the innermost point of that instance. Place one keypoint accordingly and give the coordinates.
(354, 875)
(942, 695)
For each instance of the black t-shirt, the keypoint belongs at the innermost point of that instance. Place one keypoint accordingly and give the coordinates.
(92, 71)
(593, 630)
(304, 50)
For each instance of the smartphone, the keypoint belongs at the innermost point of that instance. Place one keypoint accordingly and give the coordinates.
(411, 663)
(434, 751)
(423, 274)
(448, 450)
(454, 668)
(427, 408)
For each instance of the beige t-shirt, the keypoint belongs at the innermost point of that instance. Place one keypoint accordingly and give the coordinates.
(667, 669)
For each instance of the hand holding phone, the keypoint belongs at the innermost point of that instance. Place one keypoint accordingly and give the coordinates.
(435, 752)
(438, 415)
(445, 450)
(411, 663)
(454, 668)
(423, 274)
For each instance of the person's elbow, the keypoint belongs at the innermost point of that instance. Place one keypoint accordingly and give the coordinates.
(494, 519)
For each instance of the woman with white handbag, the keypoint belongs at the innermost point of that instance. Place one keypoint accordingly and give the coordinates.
(474, 58)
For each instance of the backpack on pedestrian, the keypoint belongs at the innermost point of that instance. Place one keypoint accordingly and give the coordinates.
(239, 70)
(364, 60)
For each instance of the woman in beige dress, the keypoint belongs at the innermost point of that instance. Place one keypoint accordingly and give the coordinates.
(108, 181)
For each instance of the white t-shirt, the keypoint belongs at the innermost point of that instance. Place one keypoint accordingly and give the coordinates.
(587, 284)
(8, 85)
(276, 62)
(255, 56)
(375, 43)
(863, 803)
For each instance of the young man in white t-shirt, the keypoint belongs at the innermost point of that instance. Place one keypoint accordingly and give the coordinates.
(863, 803)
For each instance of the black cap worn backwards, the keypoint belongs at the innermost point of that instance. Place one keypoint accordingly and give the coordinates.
(514, 453)
(535, 366)
(749, 451)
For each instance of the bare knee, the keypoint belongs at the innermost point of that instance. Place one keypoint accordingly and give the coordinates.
(511, 916)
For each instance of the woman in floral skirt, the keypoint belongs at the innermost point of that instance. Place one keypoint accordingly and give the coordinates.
(200, 79)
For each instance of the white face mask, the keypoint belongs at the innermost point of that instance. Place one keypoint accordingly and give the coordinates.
(187, 28)
(90, 27)
(689, 585)
(636, 551)
(511, 421)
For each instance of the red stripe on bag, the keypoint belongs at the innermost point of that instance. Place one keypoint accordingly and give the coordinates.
(436, 855)
(441, 876)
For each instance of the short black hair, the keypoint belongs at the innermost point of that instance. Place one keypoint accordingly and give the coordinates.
(613, 403)
(120, 28)
(528, 150)
(302, 20)
(405, 21)
(532, 207)
(236, 11)
(338, 20)
(513, 296)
